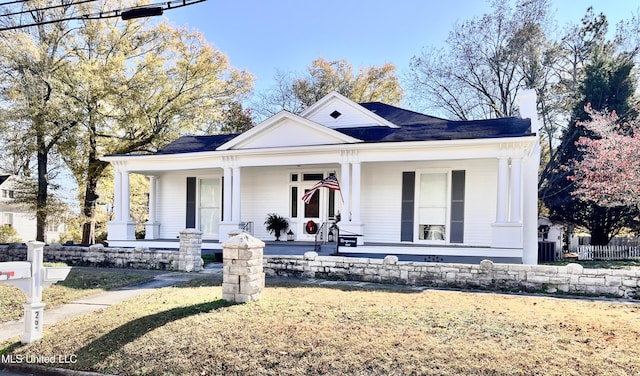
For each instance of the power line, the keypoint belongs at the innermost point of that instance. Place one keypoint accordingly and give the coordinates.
(45, 8)
(13, 2)
(127, 13)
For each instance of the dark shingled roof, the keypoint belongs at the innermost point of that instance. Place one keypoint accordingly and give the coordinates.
(412, 126)
(4, 178)
(189, 144)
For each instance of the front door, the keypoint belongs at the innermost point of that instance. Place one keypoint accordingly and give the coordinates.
(313, 214)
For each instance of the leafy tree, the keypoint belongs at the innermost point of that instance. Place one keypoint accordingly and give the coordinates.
(135, 87)
(30, 85)
(122, 87)
(8, 234)
(609, 172)
(294, 94)
(486, 61)
(608, 84)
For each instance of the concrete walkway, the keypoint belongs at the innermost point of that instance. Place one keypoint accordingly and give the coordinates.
(106, 299)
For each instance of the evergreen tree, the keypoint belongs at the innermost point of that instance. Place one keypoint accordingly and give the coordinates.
(608, 84)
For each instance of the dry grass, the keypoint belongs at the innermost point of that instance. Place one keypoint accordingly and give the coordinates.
(315, 330)
(79, 284)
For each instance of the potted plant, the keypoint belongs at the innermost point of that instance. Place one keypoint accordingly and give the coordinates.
(276, 224)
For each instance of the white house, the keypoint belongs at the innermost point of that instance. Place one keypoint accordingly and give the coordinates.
(410, 183)
(18, 216)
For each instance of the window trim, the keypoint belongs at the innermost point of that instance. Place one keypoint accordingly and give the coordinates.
(416, 206)
(199, 205)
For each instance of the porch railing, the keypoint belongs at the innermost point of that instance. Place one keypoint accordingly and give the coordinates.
(247, 227)
(320, 238)
(608, 252)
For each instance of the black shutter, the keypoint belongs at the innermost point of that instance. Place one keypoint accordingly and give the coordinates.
(457, 206)
(191, 202)
(407, 208)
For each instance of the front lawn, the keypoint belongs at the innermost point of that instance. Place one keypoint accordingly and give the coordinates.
(80, 283)
(302, 330)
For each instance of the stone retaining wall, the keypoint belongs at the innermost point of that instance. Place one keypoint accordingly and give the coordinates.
(572, 278)
(188, 258)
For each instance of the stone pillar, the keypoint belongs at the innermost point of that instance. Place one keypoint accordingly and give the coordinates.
(190, 254)
(242, 271)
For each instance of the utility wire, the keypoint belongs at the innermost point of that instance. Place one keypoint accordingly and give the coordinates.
(168, 5)
(46, 8)
(13, 2)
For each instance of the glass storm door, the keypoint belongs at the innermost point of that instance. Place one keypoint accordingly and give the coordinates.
(209, 212)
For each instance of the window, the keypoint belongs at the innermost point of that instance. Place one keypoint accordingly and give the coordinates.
(52, 226)
(7, 193)
(294, 202)
(432, 206)
(7, 219)
(312, 177)
(312, 209)
(209, 206)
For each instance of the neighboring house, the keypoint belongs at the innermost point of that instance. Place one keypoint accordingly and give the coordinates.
(410, 183)
(22, 219)
(11, 214)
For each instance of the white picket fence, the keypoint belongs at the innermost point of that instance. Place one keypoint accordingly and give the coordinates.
(608, 252)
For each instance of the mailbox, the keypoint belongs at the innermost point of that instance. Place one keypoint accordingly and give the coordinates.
(31, 277)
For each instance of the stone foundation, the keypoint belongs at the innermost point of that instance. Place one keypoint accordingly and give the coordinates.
(572, 278)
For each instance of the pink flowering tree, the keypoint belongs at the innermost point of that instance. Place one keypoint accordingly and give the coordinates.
(609, 173)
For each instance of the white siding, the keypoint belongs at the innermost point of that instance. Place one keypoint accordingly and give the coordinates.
(267, 190)
(264, 190)
(349, 116)
(382, 194)
(380, 204)
(172, 204)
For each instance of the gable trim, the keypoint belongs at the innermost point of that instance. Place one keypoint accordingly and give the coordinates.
(273, 121)
(334, 96)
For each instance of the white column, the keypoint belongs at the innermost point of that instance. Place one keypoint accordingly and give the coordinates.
(515, 215)
(117, 196)
(235, 206)
(227, 194)
(503, 174)
(530, 207)
(121, 228)
(355, 190)
(151, 227)
(152, 199)
(345, 187)
(126, 199)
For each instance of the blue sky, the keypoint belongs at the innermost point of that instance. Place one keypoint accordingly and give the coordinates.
(265, 36)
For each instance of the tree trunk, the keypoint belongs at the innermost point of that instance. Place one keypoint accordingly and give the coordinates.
(599, 235)
(94, 171)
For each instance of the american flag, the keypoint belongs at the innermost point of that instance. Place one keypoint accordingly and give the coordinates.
(330, 182)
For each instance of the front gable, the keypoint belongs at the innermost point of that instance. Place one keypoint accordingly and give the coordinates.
(337, 111)
(287, 130)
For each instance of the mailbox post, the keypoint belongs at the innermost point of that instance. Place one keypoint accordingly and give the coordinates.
(32, 277)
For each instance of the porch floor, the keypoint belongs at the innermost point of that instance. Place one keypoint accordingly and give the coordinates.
(404, 251)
